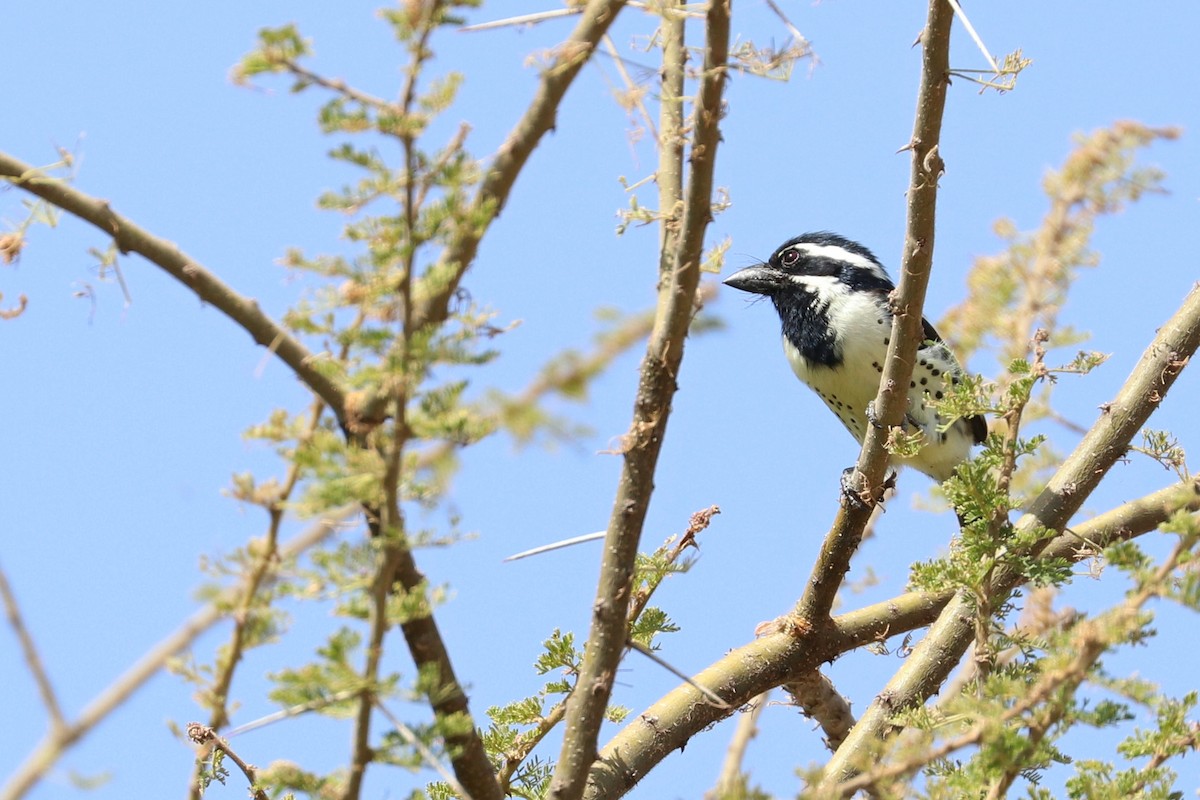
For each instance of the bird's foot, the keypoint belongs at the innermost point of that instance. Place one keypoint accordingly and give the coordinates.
(873, 417)
(862, 499)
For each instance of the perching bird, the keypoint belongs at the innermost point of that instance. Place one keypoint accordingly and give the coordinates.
(832, 298)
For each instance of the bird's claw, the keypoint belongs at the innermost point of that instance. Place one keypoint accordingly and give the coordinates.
(857, 498)
(851, 495)
(873, 417)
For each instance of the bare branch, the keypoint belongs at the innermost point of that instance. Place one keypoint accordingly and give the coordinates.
(537, 121)
(819, 699)
(130, 238)
(731, 779)
(32, 660)
(656, 388)
(208, 739)
(1107, 440)
(772, 660)
(891, 404)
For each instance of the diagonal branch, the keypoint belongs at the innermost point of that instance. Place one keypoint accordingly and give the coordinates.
(772, 660)
(538, 120)
(907, 333)
(643, 442)
(1107, 440)
(32, 660)
(131, 238)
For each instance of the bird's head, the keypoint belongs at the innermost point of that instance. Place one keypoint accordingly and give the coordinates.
(801, 263)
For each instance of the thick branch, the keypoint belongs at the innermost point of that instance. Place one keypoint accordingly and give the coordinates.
(131, 238)
(1107, 440)
(656, 388)
(907, 333)
(771, 660)
(819, 699)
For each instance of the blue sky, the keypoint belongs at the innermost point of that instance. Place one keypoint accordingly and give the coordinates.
(122, 425)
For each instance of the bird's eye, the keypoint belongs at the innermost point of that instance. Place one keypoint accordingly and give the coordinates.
(789, 258)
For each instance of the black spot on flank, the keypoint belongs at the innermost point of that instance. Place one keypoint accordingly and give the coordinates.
(922, 363)
(954, 381)
(935, 372)
(938, 395)
(912, 384)
(887, 340)
(924, 381)
(880, 320)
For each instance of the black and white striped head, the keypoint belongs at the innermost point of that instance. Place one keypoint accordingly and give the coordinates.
(828, 255)
(825, 288)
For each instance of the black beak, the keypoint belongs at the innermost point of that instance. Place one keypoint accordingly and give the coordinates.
(759, 279)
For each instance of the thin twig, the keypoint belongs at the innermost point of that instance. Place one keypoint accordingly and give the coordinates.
(33, 661)
(631, 88)
(731, 779)
(427, 755)
(800, 38)
(208, 739)
(708, 694)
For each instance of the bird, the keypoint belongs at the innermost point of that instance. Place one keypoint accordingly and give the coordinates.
(832, 297)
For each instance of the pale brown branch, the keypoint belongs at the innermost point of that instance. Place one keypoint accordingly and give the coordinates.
(731, 780)
(207, 739)
(771, 660)
(907, 333)
(538, 120)
(131, 238)
(819, 699)
(1107, 441)
(1090, 639)
(656, 388)
(33, 661)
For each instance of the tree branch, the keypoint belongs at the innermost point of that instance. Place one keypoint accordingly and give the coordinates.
(1107, 440)
(207, 738)
(772, 660)
(130, 238)
(656, 388)
(907, 333)
(819, 699)
(731, 781)
(538, 120)
(32, 660)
